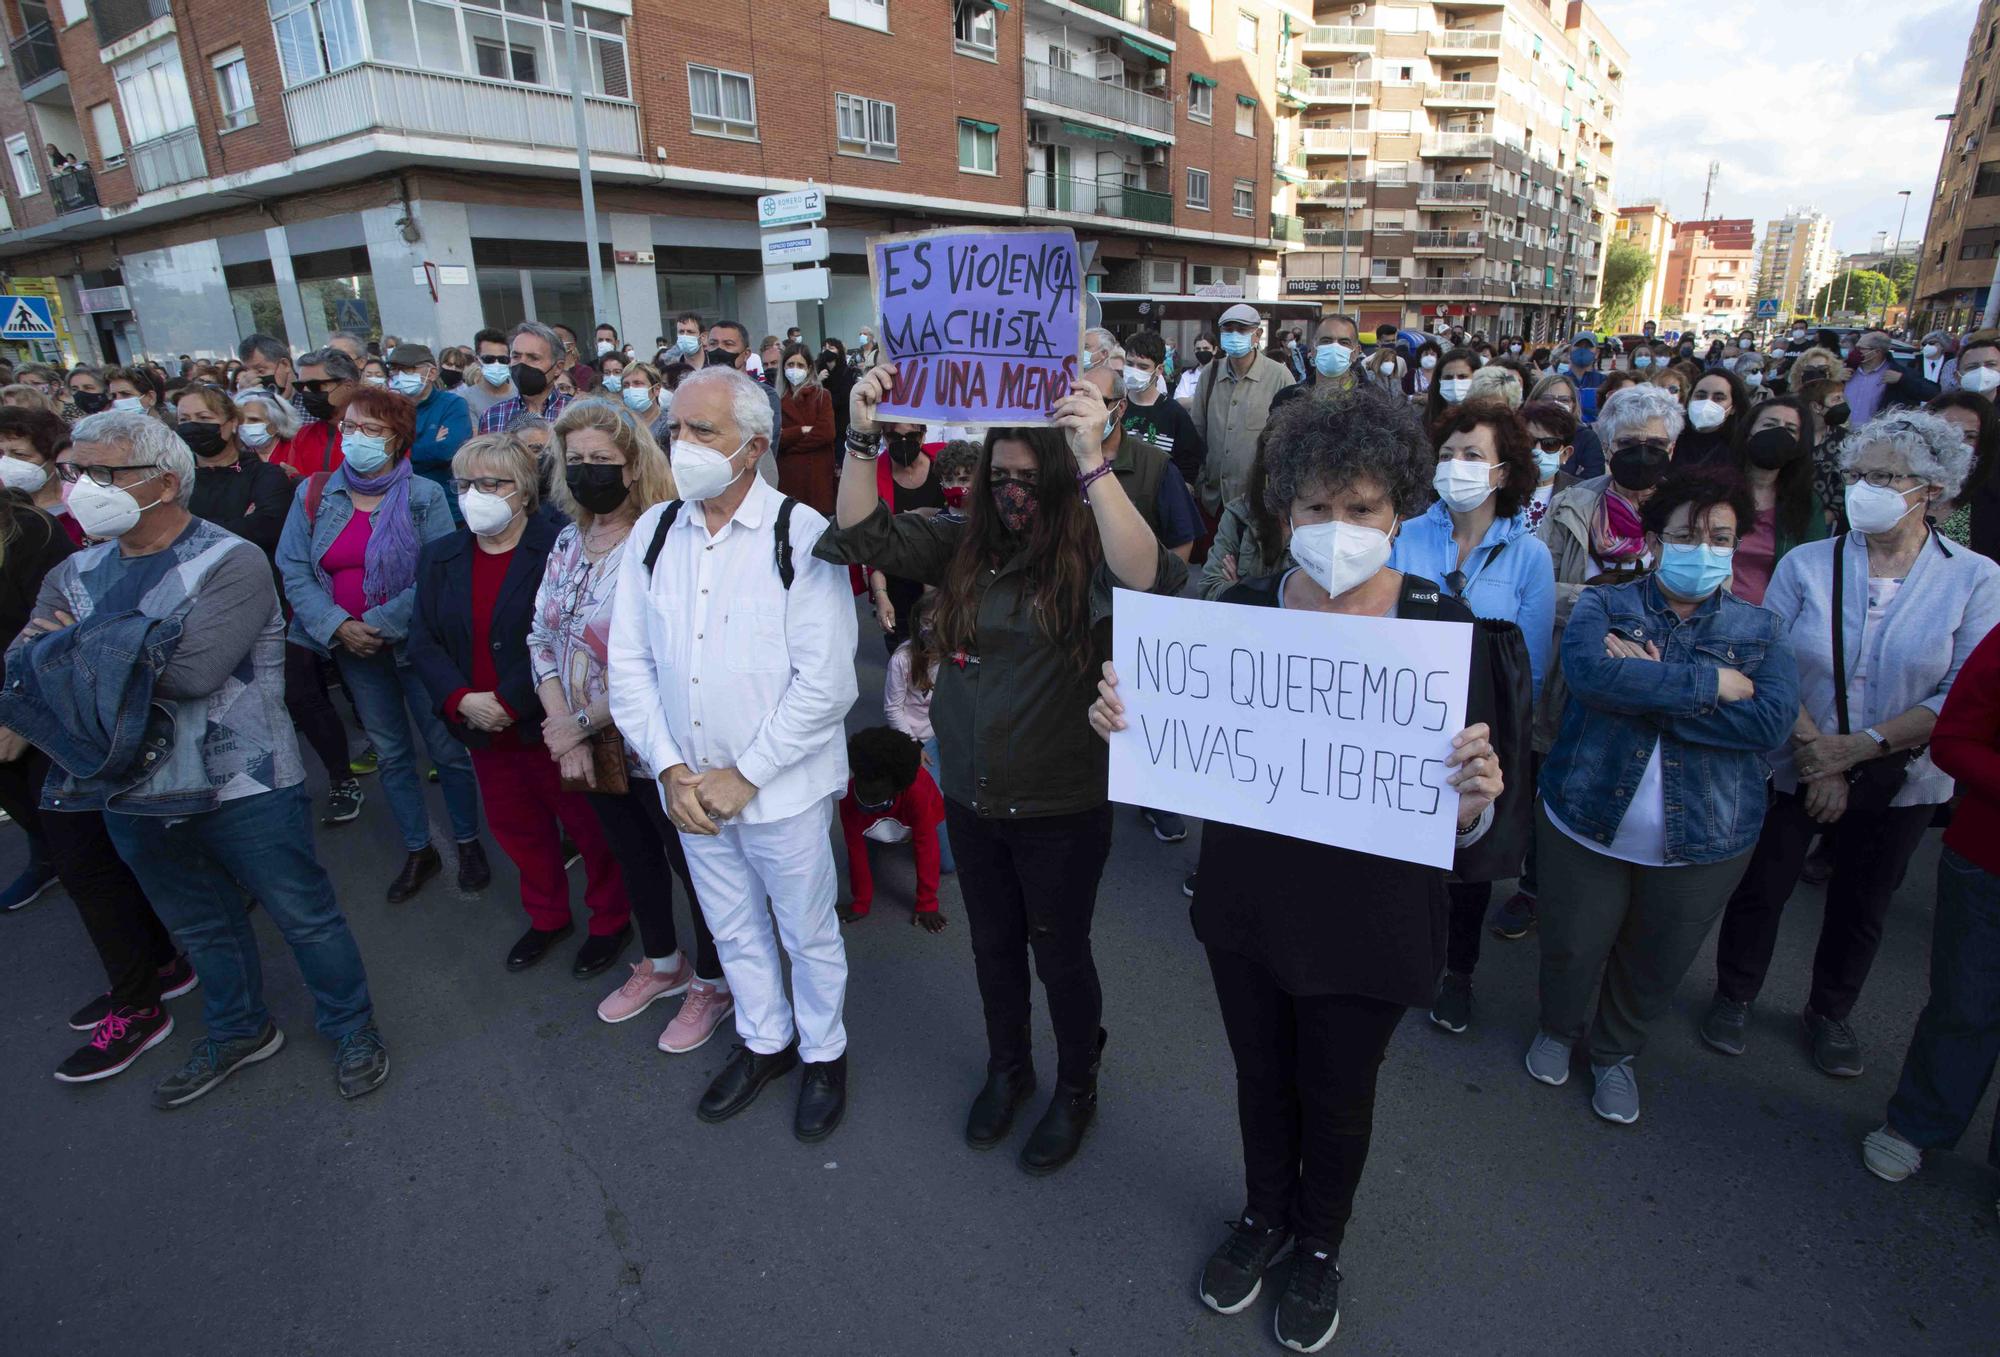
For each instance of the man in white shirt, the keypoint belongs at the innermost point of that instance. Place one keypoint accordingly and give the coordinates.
(732, 681)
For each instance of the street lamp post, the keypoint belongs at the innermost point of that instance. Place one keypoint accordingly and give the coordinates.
(599, 315)
(1895, 254)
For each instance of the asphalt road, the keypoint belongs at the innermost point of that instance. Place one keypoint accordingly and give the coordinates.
(532, 1181)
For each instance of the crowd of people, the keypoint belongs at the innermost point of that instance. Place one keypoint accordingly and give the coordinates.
(1733, 615)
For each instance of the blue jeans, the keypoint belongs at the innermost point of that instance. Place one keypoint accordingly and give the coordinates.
(1957, 1041)
(946, 863)
(191, 867)
(388, 696)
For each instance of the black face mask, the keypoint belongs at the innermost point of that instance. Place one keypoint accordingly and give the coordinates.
(1772, 448)
(316, 404)
(90, 402)
(1203, 355)
(451, 377)
(904, 448)
(268, 383)
(1836, 415)
(203, 440)
(597, 487)
(719, 358)
(529, 381)
(1638, 468)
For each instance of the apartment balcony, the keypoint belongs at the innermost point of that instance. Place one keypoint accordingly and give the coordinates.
(370, 97)
(1458, 146)
(1071, 92)
(1288, 229)
(1338, 38)
(1319, 89)
(165, 161)
(115, 19)
(73, 190)
(1439, 194)
(1335, 239)
(1337, 141)
(1098, 198)
(35, 56)
(1462, 94)
(1449, 287)
(1450, 242)
(1154, 16)
(1334, 192)
(1462, 44)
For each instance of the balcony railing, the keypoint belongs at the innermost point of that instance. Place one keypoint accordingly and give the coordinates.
(1464, 145)
(1462, 92)
(1324, 238)
(165, 161)
(1336, 141)
(1433, 192)
(1319, 89)
(1450, 240)
(1463, 42)
(1156, 15)
(370, 98)
(1325, 36)
(1068, 89)
(35, 54)
(1098, 198)
(1333, 190)
(116, 19)
(1450, 287)
(1289, 229)
(73, 190)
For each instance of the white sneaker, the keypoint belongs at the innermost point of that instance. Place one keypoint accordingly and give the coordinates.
(1888, 1156)
(1617, 1095)
(1548, 1059)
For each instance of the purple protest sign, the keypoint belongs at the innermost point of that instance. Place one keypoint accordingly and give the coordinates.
(984, 326)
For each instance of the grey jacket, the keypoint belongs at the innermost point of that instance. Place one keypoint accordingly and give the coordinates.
(1236, 540)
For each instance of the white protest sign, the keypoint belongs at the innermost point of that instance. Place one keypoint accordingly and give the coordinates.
(1315, 725)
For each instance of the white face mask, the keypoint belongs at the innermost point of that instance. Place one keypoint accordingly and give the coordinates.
(1513, 348)
(19, 474)
(1463, 486)
(1798, 334)
(1979, 381)
(701, 472)
(1454, 389)
(636, 397)
(1136, 381)
(796, 376)
(105, 510)
(605, 346)
(1870, 508)
(1388, 367)
(1428, 361)
(487, 515)
(376, 381)
(1706, 414)
(1753, 380)
(1547, 464)
(131, 403)
(1931, 350)
(1339, 556)
(253, 435)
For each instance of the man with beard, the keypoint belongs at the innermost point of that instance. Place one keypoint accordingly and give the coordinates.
(534, 354)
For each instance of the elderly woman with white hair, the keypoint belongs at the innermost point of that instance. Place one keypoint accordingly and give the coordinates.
(1881, 619)
(269, 422)
(1494, 382)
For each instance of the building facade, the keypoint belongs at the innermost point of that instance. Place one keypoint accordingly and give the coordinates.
(1961, 251)
(410, 166)
(1711, 275)
(1452, 160)
(1796, 260)
(1650, 227)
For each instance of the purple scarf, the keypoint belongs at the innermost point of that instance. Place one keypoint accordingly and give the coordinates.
(391, 561)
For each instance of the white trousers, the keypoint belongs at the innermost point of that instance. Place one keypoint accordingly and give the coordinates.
(791, 862)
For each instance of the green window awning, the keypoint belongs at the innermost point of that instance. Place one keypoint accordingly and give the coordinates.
(1246, 101)
(1145, 141)
(1203, 80)
(1085, 130)
(991, 129)
(1143, 50)
(1288, 174)
(998, 4)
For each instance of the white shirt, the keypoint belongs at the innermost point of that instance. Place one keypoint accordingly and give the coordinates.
(713, 664)
(1642, 834)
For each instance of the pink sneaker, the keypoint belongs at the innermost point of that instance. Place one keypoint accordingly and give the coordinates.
(646, 987)
(701, 1013)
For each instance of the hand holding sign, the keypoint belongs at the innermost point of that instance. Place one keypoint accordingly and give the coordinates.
(1081, 415)
(867, 394)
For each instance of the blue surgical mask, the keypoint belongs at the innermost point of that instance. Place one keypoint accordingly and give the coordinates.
(1692, 573)
(636, 397)
(1236, 343)
(1110, 425)
(687, 343)
(613, 383)
(496, 372)
(365, 452)
(1547, 464)
(1330, 360)
(407, 384)
(1643, 361)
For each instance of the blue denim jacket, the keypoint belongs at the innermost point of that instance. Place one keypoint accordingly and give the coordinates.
(315, 616)
(84, 697)
(1710, 764)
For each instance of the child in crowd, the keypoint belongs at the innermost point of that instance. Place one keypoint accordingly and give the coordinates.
(891, 799)
(956, 462)
(906, 701)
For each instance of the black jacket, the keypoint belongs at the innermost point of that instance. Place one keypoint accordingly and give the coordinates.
(34, 544)
(250, 499)
(440, 645)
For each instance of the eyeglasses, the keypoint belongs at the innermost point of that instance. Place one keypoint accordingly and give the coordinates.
(490, 485)
(1881, 480)
(1551, 444)
(317, 385)
(105, 476)
(348, 428)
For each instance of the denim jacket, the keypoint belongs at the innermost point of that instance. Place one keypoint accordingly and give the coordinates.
(1710, 764)
(84, 697)
(315, 616)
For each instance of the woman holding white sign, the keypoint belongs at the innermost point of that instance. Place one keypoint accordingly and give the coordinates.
(1316, 951)
(1022, 620)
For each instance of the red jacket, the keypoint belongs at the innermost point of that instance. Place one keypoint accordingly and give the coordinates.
(313, 449)
(1966, 744)
(920, 809)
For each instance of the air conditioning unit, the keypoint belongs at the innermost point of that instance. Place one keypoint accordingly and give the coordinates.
(1107, 47)
(1039, 135)
(1156, 79)
(1153, 155)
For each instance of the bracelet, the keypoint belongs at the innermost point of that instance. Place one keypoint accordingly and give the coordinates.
(857, 439)
(1086, 479)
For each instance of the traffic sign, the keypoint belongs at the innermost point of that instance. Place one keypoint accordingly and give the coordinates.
(1767, 309)
(350, 313)
(798, 285)
(796, 247)
(798, 208)
(27, 318)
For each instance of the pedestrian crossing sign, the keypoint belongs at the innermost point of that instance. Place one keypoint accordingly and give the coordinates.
(27, 318)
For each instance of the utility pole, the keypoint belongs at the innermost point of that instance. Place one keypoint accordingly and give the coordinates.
(1894, 255)
(599, 313)
(1714, 168)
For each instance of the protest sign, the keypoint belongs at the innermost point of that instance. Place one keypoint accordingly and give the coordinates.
(984, 325)
(1321, 726)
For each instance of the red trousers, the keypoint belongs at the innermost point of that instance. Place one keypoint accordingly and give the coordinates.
(524, 800)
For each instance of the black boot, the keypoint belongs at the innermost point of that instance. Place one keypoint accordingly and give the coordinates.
(474, 874)
(992, 1115)
(741, 1080)
(1059, 1134)
(822, 1098)
(418, 868)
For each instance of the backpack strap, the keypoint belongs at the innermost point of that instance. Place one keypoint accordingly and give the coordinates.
(315, 492)
(1419, 599)
(660, 531)
(783, 534)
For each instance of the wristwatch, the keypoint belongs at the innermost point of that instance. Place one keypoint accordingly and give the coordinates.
(1881, 740)
(583, 719)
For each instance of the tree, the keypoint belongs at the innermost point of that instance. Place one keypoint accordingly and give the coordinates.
(1902, 275)
(1627, 266)
(1856, 290)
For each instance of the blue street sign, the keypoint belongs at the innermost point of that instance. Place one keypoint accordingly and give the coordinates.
(1767, 309)
(26, 318)
(350, 313)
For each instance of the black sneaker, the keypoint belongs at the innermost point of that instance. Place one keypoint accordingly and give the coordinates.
(122, 1037)
(1167, 826)
(360, 1062)
(1514, 917)
(1309, 1308)
(343, 803)
(211, 1062)
(1234, 1273)
(177, 977)
(1452, 1009)
(1835, 1048)
(1727, 1026)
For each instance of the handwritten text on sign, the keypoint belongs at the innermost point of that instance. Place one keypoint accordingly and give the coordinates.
(983, 326)
(1319, 726)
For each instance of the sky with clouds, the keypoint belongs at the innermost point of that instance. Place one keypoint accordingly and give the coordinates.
(1823, 103)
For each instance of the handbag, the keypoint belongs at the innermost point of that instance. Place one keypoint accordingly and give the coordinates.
(1873, 783)
(607, 765)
